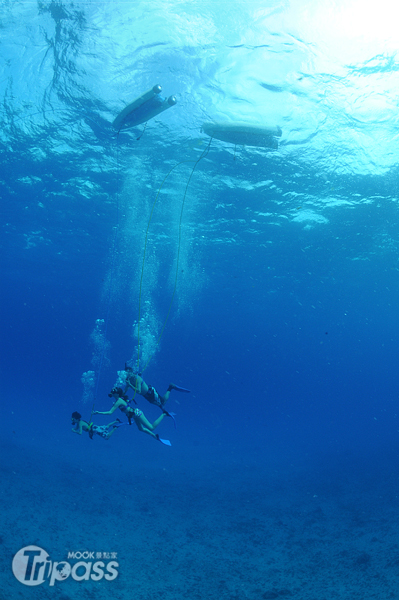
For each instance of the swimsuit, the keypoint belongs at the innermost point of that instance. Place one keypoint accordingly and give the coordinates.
(101, 430)
(126, 409)
(131, 413)
(153, 396)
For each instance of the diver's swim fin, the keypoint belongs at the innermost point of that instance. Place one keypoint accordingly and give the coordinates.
(165, 442)
(170, 414)
(172, 386)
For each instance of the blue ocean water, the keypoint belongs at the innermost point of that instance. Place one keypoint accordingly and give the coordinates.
(282, 477)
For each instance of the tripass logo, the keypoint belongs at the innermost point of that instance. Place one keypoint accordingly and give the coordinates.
(32, 566)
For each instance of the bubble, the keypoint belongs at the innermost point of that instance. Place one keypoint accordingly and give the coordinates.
(88, 379)
(100, 357)
(101, 345)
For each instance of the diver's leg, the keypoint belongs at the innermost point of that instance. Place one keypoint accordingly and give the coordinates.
(165, 397)
(144, 422)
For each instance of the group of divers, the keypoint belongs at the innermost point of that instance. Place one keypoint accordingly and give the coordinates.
(129, 379)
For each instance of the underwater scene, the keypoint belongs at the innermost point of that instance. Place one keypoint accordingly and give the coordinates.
(199, 300)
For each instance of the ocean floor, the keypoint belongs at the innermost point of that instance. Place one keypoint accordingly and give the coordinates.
(213, 531)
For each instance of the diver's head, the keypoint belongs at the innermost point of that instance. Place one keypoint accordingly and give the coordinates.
(116, 391)
(128, 369)
(76, 416)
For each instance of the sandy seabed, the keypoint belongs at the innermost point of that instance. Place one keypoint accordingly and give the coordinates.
(211, 531)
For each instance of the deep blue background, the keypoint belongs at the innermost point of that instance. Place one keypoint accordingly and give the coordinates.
(293, 338)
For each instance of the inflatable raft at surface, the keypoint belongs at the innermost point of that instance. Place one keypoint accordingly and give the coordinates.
(246, 134)
(144, 108)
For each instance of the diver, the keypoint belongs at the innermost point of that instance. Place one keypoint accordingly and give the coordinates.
(121, 401)
(104, 431)
(137, 383)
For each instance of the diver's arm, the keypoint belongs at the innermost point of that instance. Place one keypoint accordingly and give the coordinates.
(78, 429)
(111, 410)
(129, 384)
(139, 381)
